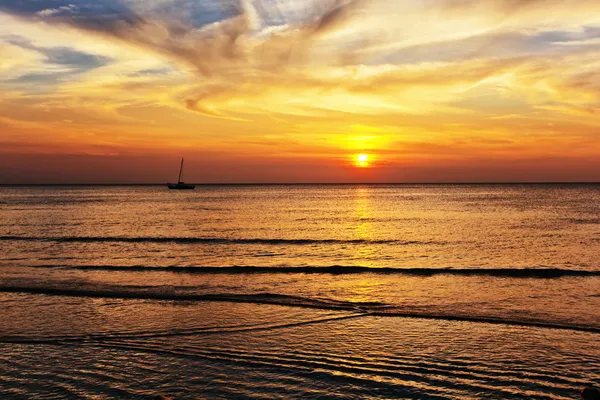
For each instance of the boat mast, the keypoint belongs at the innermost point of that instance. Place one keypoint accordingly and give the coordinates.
(180, 170)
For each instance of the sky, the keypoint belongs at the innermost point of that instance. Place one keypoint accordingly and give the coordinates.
(291, 91)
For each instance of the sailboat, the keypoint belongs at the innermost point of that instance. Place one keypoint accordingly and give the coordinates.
(180, 185)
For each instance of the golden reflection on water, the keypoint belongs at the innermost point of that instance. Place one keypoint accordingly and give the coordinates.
(364, 211)
(363, 215)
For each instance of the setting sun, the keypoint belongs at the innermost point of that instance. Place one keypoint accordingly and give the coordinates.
(362, 160)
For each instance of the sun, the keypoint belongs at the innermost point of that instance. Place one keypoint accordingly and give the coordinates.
(362, 160)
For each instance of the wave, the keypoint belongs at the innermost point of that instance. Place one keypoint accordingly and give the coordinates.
(143, 294)
(542, 273)
(371, 308)
(98, 337)
(207, 240)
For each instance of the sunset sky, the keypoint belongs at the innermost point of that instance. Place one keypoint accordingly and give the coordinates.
(109, 91)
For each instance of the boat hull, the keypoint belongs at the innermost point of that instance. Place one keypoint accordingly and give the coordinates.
(181, 186)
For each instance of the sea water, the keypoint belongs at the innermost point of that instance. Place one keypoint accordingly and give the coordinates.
(300, 291)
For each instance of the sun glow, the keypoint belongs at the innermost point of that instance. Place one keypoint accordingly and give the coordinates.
(362, 160)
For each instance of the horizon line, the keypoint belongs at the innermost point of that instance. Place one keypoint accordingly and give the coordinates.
(313, 183)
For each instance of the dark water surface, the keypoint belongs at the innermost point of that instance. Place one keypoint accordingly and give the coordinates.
(308, 291)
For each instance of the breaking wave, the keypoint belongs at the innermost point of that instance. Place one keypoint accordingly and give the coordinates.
(367, 308)
(542, 273)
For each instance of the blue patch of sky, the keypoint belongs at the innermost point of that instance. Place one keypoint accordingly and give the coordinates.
(75, 59)
(201, 13)
(104, 14)
(66, 56)
(95, 15)
(97, 11)
(54, 7)
(66, 63)
(198, 13)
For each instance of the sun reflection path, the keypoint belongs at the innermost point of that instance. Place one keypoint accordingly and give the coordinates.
(363, 214)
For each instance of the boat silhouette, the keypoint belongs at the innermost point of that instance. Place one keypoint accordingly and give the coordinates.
(180, 185)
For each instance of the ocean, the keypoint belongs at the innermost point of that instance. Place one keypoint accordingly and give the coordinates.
(300, 291)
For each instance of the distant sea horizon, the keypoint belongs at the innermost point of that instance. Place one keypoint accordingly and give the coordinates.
(311, 183)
